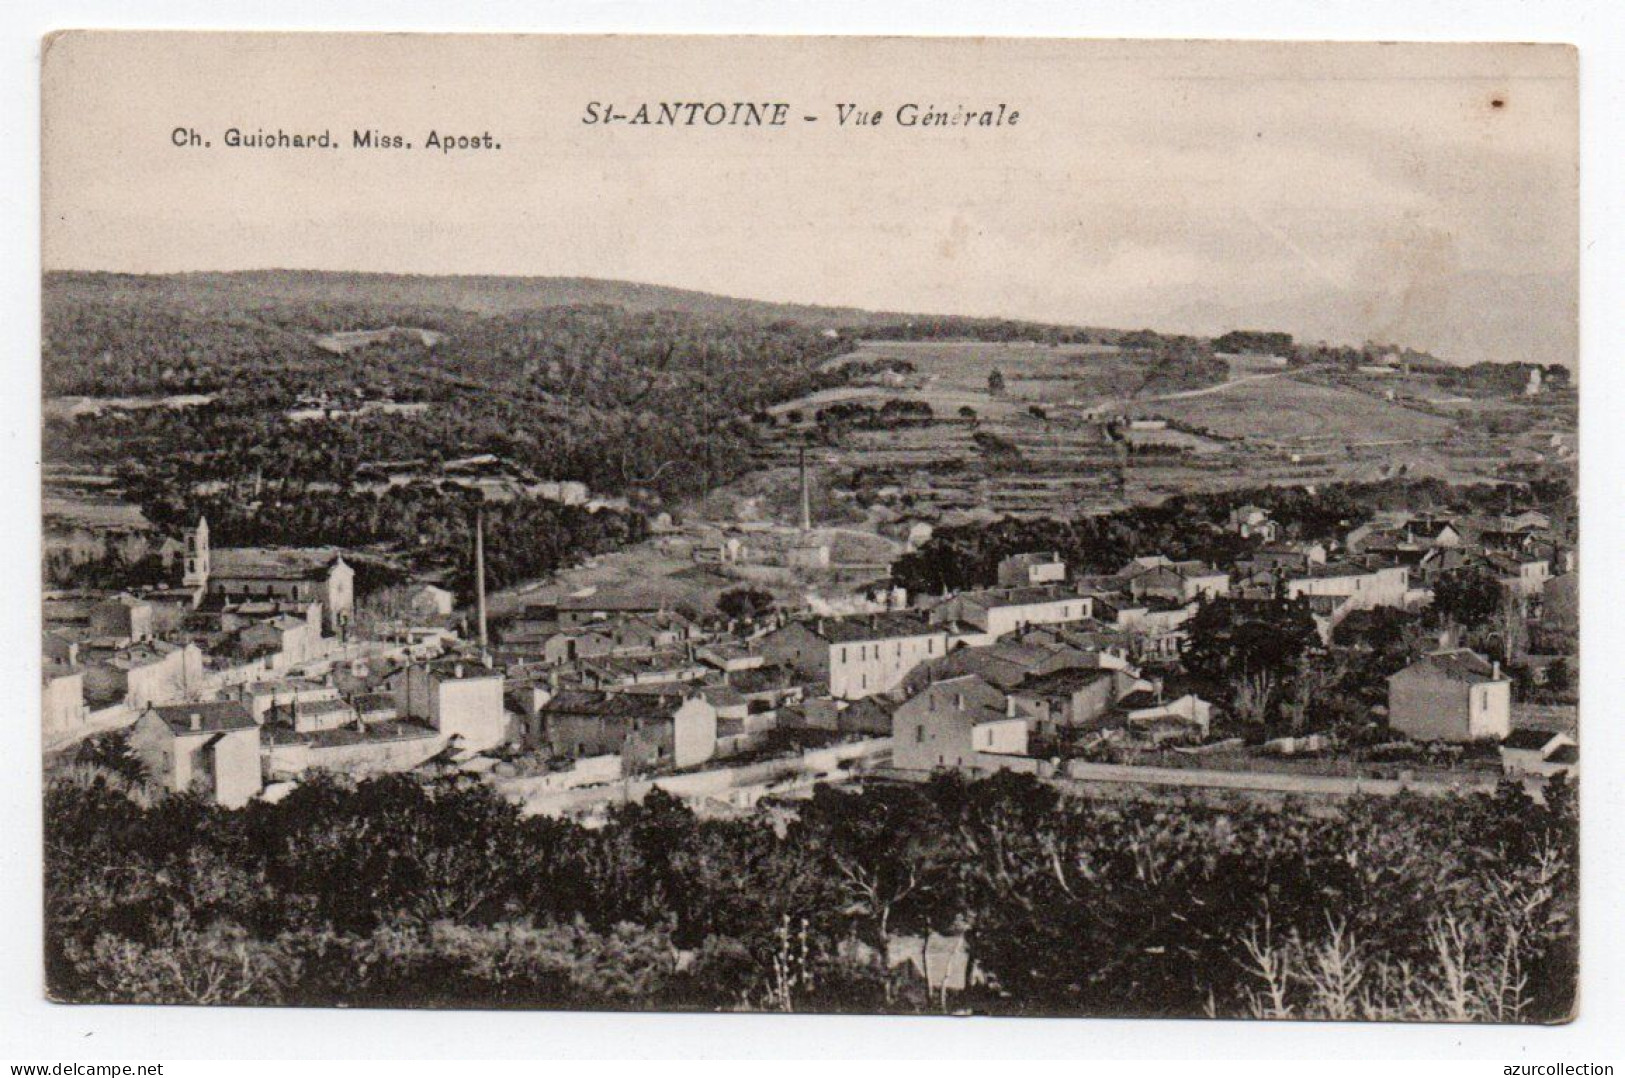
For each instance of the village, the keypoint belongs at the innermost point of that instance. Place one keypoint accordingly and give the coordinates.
(257, 667)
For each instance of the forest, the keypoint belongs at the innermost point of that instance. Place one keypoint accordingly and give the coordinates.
(409, 891)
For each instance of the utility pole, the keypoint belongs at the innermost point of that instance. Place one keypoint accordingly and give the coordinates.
(479, 574)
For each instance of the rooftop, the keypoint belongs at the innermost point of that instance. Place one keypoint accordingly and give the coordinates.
(1459, 664)
(1065, 681)
(1023, 596)
(865, 627)
(273, 563)
(205, 718)
(614, 705)
(1528, 740)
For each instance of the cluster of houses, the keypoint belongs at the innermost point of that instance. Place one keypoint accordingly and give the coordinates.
(232, 681)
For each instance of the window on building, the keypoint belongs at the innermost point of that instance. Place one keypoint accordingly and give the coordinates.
(919, 734)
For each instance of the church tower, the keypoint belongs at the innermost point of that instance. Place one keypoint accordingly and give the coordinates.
(197, 556)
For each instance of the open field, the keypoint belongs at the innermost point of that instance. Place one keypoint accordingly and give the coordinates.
(1042, 447)
(1292, 409)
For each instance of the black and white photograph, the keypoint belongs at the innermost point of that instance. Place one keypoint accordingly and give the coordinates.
(1017, 527)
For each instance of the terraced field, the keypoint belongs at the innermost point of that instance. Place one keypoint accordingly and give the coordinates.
(1293, 409)
(1266, 425)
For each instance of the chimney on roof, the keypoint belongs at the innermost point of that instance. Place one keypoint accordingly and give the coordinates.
(1010, 706)
(457, 671)
(1495, 670)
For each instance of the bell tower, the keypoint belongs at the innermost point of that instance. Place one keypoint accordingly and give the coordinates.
(196, 574)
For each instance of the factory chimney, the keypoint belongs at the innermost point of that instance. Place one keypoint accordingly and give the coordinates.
(479, 574)
(806, 497)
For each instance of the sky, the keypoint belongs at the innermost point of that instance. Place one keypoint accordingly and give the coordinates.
(1423, 195)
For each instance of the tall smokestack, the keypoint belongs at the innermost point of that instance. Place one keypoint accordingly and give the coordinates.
(806, 496)
(479, 573)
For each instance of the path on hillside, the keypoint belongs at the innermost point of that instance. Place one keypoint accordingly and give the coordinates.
(1186, 394)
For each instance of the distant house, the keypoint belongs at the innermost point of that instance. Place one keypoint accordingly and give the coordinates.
(1539, 752)
(581, 610)
(1031, 570)
(1288, 557)
(1363, 588)
(1005, 664)
(62, 697)
(1523, 575)
(1432, 531)
(261, 697)
(871, 717)
(458, 698)
(214, 747)
(963, 722)
(1180, 582)
(1075, 698)
(153, 672)
(1186, 719)
(1528, 521)
(854, 657)
(430, 601)
(1455, 695)
(123, 617)
(648, 730)
(1249, 521)
(998, 611)
(282, 641)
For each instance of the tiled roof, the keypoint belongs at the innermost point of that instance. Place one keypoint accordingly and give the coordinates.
(1528, 740)
(268, 563)
(762, 678)
(866, 627)
(211, 717)
(1460, 664)
(1064, 681)
(613, 705)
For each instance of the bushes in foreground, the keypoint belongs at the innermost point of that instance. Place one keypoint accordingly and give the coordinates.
(397, 891)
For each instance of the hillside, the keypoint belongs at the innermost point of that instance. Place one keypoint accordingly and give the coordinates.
(486, 295)
(203, 292)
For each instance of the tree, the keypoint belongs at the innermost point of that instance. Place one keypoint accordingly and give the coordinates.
(111, 751)
(185, 964)
(1470, 597)
(995, 382)
(745, 604)
(1313, 682)
(1233, 638)
(1252, 694)
(886, 851)
(1559, 679)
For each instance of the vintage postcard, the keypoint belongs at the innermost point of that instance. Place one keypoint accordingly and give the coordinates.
(876, 525)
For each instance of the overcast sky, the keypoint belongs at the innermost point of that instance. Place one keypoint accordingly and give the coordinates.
(1336, 191)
